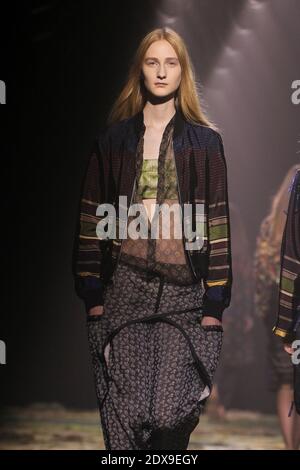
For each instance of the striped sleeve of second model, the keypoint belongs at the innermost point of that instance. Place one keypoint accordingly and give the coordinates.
(289, 288)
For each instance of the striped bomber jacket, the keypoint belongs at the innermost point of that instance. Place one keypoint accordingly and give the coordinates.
(289, 284)
(201, 179)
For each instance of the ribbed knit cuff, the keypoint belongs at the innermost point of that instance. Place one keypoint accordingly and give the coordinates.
(90, 290)
(212, 308)
(92, 298)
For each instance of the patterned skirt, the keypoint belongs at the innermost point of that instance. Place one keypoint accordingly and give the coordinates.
(153, 362)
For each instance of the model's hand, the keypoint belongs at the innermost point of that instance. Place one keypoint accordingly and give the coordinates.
(288, 348)
(97, 310)
(210, 321)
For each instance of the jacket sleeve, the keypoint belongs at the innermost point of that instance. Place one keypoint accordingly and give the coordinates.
(218, 282)
(289, 286)
(88, 250)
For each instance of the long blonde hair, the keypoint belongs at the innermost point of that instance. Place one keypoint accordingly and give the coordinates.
(132, 98)
(277, 216)
(268, 244)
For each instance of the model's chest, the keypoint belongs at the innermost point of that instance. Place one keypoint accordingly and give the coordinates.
(190, 165)
(152, 140)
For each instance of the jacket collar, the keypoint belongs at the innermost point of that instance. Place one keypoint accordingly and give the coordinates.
(139, 126)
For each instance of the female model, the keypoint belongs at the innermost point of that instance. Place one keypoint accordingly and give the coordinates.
(267, 269)
(288, 320)
(155, 302)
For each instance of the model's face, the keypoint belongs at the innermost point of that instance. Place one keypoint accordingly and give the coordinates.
(161, 65)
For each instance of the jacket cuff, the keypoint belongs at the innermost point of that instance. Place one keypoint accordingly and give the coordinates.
(212, 308)
(90, 290)
(279, 332)
(215, 300)
(92, 298)
(287, 336)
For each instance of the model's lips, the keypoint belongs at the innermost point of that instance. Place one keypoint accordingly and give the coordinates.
(160, 84)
